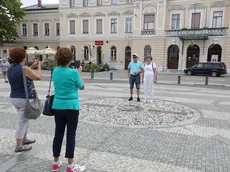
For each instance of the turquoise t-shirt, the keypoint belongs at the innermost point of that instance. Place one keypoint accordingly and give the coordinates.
(66, 83)
(135, 67)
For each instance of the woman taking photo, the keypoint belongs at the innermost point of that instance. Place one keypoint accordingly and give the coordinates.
(17, 95)
(149, 76)
(66, 108)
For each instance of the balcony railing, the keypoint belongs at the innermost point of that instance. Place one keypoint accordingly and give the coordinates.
(197, 34)
(148, 32)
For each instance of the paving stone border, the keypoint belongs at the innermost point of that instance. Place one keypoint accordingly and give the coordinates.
(119, 112)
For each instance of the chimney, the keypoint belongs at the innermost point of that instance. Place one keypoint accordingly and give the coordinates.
(39, 3)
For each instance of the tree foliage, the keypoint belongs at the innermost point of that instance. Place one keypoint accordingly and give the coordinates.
(10, 15)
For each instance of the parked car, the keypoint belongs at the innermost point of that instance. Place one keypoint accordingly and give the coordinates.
(207, 68)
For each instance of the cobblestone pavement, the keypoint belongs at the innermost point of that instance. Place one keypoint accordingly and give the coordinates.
(199, 146)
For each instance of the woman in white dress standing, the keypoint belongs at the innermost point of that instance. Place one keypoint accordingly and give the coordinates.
(149, 76)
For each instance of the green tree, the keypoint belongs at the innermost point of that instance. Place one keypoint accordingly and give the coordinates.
(10, 15)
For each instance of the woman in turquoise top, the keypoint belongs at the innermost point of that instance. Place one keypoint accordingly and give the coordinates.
(66, 108)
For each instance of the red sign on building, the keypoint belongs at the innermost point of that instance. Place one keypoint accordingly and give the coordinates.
(99, 42)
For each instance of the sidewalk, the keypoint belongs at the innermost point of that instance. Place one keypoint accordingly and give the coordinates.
(200, 143)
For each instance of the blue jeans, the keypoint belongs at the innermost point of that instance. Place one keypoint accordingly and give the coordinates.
(65, 118)
(135, 79)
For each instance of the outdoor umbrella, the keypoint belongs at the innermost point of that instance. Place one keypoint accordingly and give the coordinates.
(49, 51)
(31, 51)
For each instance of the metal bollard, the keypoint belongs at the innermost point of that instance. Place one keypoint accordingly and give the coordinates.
(92, 74)
(179, 80)
(206, 80)
(111, 75)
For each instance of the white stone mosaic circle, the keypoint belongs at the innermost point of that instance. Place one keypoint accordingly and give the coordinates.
(118, 111)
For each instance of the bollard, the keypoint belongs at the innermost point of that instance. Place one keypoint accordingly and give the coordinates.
(92, 74)
(111, 75)
(179, 80)
(206, 80)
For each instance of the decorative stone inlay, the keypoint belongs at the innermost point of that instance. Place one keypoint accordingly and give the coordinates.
(120, 112)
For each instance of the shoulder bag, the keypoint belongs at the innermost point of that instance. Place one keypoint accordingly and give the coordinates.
(33, 108)
(47, 111)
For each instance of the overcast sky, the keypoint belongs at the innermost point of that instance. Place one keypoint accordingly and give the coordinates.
(33, 2)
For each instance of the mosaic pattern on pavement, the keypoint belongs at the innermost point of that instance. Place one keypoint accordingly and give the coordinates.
(118, 111)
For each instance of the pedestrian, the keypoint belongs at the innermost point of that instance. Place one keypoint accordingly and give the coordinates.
(5, 66)
(66, 108)
(18, 96)
(135, 69)
(149, 76)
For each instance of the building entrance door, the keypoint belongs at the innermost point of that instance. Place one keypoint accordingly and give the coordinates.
(173, 57)
(99, 54)
(193, 55)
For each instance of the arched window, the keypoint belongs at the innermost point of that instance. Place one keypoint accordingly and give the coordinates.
(86, 53)
(73, 49)
(147, 51)
(113, 54)
(214, 53)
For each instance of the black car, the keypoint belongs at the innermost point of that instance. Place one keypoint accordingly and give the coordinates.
(207, 68)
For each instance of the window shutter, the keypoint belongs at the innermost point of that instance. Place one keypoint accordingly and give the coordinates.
(72, 27)
(85, 26)
(195, 21)
(149, 18)
(99, 26)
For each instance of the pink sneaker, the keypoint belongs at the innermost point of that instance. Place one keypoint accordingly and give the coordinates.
(56, 166)
(76, 168)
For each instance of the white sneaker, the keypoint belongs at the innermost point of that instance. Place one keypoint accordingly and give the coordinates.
(56, 166)
(76, 168)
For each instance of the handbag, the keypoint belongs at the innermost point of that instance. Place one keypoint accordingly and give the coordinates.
(33, 108)
(47, 111)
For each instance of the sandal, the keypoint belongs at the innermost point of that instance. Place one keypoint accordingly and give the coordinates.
(23, 149)
(28, 142)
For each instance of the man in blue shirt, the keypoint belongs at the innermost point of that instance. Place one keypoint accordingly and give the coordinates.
(135, 69)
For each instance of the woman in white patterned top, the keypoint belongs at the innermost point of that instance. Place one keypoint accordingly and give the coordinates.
(149, 76)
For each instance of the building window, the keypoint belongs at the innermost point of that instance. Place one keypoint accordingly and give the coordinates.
(147, 51)
(99, 2)
(128, 25)
(149, 22)
(113, 25)
(72, 27)
(24, 29)
(113, 2)
(85, 3)
(99, 26)
(73, 50)
(35, 29)
(86, 53)
(57, 29)
(85, 26)
(176, 21)
(113, 55)
(72, 3)
(129, 1)
(195, 21)
(47, 29)
(217, 19)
